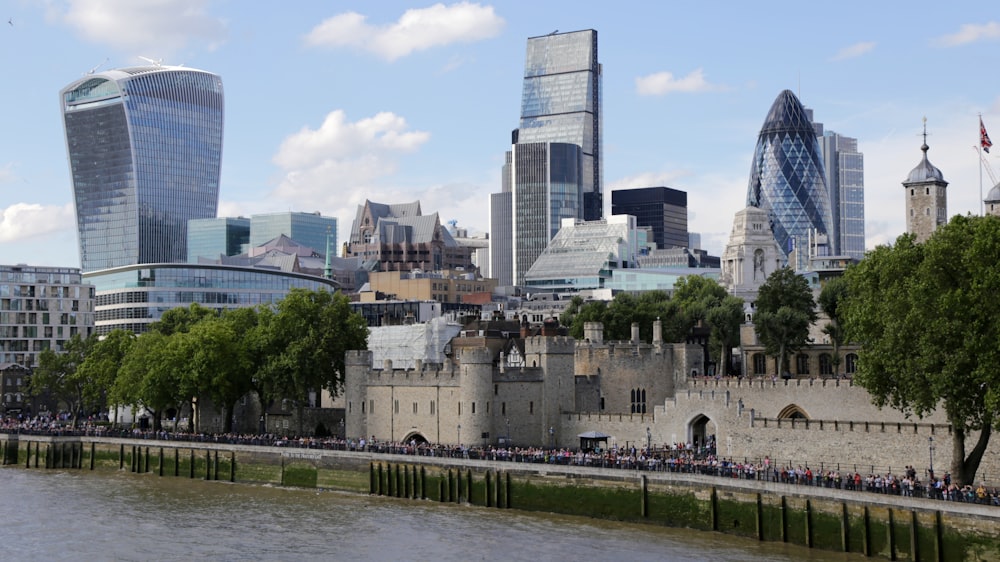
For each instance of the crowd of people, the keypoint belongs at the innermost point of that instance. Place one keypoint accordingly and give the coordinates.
(676, 458)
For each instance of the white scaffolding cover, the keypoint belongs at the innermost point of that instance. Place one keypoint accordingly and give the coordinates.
(405, 344)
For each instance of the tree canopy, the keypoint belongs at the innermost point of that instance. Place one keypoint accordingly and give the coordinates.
(784, 311)
(927, 318)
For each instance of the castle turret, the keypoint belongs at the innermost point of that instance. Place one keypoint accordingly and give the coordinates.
(475, 395)
(357, 366)
(926, 197)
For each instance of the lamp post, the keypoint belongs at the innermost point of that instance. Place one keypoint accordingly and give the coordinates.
(930, 447)
(552, 437)
(649, 442)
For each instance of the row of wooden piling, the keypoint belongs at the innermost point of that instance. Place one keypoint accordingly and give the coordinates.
(455, 486)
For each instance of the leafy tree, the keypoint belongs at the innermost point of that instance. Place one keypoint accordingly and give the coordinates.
(703, 299)
(785, 310)
(834, 292)
(102, 363)
(618, 316)
(150, 376)
(927, 319)
(59, 374)
(181, 319)
(307, 339)
(216, 364)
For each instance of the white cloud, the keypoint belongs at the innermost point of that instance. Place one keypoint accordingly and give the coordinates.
(22, 221)
(326, 168)
(852, 51)
(970, 33)
(155, 28)
(416, 30)
(661, 83)
(646, 179)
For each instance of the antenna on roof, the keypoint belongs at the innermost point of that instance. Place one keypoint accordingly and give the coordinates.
(93, 70)
(157, 62)
(554, 32)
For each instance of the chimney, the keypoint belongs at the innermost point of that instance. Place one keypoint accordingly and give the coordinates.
(635, 332)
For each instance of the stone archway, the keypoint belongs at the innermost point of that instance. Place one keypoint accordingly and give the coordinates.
(701, 432)
(416, 438)
(793, 411)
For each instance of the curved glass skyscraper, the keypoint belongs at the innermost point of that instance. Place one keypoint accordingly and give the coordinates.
(145, 152)
(786, 177)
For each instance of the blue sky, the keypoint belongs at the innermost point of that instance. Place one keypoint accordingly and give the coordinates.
(329, 103)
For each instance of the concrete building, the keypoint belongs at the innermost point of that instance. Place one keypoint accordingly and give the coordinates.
(446, 286)
(145, 153)
(400, 237)
(751, 254)
(41, 308)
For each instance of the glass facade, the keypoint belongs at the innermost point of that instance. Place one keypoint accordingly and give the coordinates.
(547, 189)
(662, 209)
(145, 152)
(584, 254)
(308, 229)
(845, 178)
(133, 297)
(41, 308)
(561, 102)
(211, 238)
(787, 177)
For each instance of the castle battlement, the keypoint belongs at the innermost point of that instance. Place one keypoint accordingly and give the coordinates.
(780, 385)
(549, 345)
(922, 430)
(595, 417)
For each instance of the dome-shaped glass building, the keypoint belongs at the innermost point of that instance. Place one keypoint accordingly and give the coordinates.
(786, 177)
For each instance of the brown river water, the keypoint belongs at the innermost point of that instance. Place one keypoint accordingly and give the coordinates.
(61, 515)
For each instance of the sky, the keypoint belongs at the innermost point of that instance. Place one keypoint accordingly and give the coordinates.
(330, 103)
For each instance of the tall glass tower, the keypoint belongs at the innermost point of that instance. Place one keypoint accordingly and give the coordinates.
(145, 152)
(561, 102)
(786, 178)
(845, 178)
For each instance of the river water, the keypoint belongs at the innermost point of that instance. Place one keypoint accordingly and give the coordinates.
(79, 515)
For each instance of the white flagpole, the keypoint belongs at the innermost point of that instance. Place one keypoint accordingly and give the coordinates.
(982, 205)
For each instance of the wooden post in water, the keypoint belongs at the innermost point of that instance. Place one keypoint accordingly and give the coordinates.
(759, 519)
(406, 482)
(423, 482)
(468, 486)
(891, 535)
(208, 464)
(714, 509)
(809, 529)
(451, 495)
(191, 468)
(440, 489)
(866, 534)
(938, 543)
(413, 478)
(215, 464)
(506, 502)
(177, 462)
(487, 489)
(914, 543)
(644, 498)
(92, 449)
(378, 481)
(232, 466)
(371, 478)
(121, 456)
(845, 528)
(147, 460)
(784, 519)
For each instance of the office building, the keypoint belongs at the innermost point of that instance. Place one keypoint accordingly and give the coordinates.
(211, 238)
(662, 209)
(584, 254)
(787, 178)
(309, 229)
(41, 308)
(561, 102)
(844, 174)
(145, 149)
(400, 237)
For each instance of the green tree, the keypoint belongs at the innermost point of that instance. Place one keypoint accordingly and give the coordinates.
(151, 376)
(59, 374)
(102, 363)
(217, 366)
(307, 338)
(927, 319)
(703, 300)
(785, 310)
(834, 293)
(181, 319)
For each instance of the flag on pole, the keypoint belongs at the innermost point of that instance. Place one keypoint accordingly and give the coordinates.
(984, 139)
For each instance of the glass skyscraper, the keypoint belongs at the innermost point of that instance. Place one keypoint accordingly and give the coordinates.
(145, 152)
(845, 178)
(211, 238)
(308, 229)
(561, 102)
(662, 209)
(546, 182)
(787, 178)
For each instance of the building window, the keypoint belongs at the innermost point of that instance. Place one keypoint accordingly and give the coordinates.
(851, 364)
(414, 407)
(638, 401)
(825, 364)
(460, 408)
(432, 407)
(395, 406)
(802, 364)
(503, 408)
(473, 408)
(531, 407)
(759, 364)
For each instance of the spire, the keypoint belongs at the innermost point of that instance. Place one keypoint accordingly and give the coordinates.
(925, 171)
